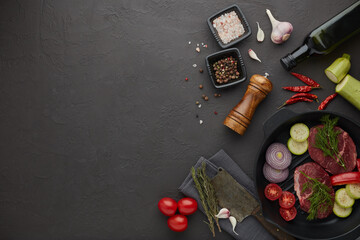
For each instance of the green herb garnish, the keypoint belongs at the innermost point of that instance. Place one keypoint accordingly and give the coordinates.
(326, 139)
(207, 195)
(320, 199)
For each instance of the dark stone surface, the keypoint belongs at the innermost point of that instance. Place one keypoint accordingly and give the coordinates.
(98, 124)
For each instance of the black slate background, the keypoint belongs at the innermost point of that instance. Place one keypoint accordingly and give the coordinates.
(97, 122)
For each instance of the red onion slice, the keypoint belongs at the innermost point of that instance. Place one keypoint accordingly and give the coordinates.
(274, 175)
(278, 156)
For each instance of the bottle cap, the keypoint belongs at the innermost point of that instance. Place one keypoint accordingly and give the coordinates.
(288, 62)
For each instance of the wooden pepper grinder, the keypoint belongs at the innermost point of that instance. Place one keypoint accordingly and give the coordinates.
(240, 116)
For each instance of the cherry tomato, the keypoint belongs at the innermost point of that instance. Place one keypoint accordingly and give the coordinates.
(167, 206)
(287, 200)
(178, 223)
(272, 191)
(288, 214)
(187, 206)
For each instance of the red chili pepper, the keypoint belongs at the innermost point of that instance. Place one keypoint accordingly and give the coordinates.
(326, 102)
(345, 178)
(295, 100)
(305, 95)
(300, 88)
(306, 80)
(358, 164)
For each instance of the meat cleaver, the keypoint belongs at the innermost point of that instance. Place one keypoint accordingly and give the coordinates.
(241, 203)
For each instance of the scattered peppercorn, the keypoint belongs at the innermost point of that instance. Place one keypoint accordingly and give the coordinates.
(201, 70)
(215, 113)
(197, 116)
(203, 96)
(206, 98)
(197, 102)
(200, 86)
(226, 70)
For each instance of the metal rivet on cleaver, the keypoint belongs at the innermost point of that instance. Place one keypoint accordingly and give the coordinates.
(241, 203)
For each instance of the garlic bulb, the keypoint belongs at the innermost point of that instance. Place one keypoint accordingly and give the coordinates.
(280, 30)
(260, 34)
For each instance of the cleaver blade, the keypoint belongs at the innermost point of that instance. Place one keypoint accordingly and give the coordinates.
(241, 203)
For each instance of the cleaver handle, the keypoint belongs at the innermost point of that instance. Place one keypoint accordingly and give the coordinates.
(272, 229)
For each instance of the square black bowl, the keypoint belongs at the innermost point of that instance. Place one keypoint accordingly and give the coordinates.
(243, 20)
(235, 53)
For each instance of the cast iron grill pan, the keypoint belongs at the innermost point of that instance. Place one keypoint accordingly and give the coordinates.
(276, 129)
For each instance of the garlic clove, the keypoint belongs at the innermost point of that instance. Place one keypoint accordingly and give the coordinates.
(281, 31)
(233, 222)
(253, 55)
(260, 34)
(223, 213)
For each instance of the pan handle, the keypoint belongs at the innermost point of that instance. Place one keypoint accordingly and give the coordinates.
(276, 120)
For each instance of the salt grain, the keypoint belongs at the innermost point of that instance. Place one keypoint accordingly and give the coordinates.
(189, 42)
(194, 65)
(201, 121)
(229, 27)
(197, 49)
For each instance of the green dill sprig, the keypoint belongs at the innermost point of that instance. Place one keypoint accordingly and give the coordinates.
(327, 139)
(320, 199)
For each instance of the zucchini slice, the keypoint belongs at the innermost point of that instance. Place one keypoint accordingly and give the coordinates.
(299, 132)
(297, 148)
(353, 190)
(341, 212)
(343, 199)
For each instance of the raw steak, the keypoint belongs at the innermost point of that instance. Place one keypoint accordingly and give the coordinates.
(313, 170)
(347, 151)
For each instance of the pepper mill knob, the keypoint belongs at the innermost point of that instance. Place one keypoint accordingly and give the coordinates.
(240, 116)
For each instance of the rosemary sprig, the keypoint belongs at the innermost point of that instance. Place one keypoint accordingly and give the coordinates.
(326, 139)
(210, 193)
(320, 198)
(203, 200)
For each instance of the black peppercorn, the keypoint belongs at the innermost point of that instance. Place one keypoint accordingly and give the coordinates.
(226, 70)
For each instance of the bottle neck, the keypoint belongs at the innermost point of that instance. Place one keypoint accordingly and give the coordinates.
(299, 55)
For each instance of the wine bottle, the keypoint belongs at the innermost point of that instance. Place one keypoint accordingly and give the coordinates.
(326, 37)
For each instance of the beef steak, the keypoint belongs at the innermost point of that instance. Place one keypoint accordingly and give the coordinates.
(312, 170)
(346, 147)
